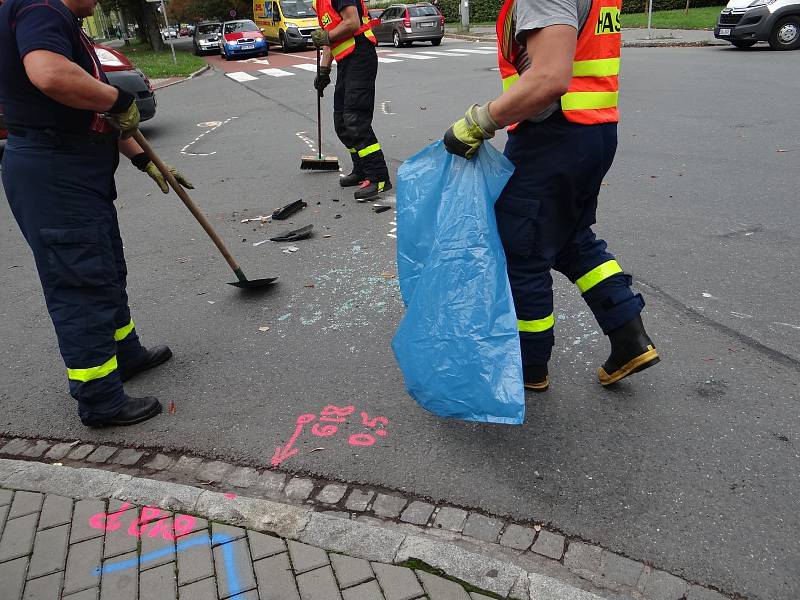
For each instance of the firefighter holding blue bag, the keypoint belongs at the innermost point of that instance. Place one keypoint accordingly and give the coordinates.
(559, 61)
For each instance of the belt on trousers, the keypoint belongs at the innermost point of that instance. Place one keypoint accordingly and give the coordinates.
(65, 139)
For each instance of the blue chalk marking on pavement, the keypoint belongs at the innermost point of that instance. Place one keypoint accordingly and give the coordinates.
(220, 539)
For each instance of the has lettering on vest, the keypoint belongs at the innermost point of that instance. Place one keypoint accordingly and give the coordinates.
(326, 20)
(608, 21)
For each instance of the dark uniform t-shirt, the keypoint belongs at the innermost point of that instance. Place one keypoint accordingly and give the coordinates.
(28, 25)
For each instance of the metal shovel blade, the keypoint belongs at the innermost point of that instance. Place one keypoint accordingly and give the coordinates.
(252, 284)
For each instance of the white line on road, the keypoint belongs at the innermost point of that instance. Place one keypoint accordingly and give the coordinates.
(302, 135)
(217, 125)
(276, 72)
(435, 53)
(412, 56)
(474, 51)
(385, 108)
(241, 76)
(381, 59)
(306, 67)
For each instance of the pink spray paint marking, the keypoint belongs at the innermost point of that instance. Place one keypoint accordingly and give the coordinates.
(325, 428)
(141, 525)
(229, 496)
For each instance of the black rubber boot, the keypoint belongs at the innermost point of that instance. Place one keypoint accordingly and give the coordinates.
(372, 191)
(535, 377)
(632, 351)
(351, 180)
(147, 360)
(134, 411)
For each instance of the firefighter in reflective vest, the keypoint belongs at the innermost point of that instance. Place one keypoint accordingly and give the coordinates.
(559, 61)
(66, 129)
(346, 37)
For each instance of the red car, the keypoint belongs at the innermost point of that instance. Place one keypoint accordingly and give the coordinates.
(122, 73)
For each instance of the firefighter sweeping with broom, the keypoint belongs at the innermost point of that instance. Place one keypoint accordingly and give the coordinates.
(345, 36)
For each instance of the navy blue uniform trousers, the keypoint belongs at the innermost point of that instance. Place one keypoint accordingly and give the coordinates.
(545, 216)
(61, 194)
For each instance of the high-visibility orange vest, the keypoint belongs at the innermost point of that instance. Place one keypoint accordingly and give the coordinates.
(328, 19)
(594, 90)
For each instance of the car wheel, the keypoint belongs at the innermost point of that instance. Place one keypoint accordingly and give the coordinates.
(284, 44)
(436, 42)
(396, 39)
(786, 34)
(743, 44)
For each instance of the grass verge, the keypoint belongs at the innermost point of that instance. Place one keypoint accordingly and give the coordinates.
(697, 18)
(159, 65)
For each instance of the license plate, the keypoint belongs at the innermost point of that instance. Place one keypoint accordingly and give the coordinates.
(725, 31)
(428, 24)
(247, 47)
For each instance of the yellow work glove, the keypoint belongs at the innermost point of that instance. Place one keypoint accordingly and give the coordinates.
(124, 115)
(320, 37)
(144, 164)
(465, 136)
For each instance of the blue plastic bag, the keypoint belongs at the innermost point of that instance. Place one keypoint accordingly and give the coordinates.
(458, 344)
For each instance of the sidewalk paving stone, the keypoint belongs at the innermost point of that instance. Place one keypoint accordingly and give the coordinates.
(122, 584)
(81, 452)
(156, 544)
(450, 518)
(549, 544)
(90, 594)
(700, 593)
(12, 574)
(439, 588)
(3, 513)
(5, 497)
(82, 513)
(365, 591)
(271, 483)
(158, 583)
(583, 559)
(83, 558)
(25, 503)
(263, 546)
(37, 449)
(101, 454)
(397, 583)
(49, 552)
(18, 537)
(234, 568)
(275, 578)
(199, 590)
(517, 537)
(318, 585)
(59, 451)
(119, 541)
(658, 585)
(229, 531)
(43, 588)
(16, 446)
(482, 527)
(332, 493)
(350, 571)
(388, 506)
(57, 510)
(417, 513)
(214, 471)
(160, 462)
(127, 457)
(195, 561)
(619, 569)
(243, 477)
(358, 500)
(299, 488)
(306, 558)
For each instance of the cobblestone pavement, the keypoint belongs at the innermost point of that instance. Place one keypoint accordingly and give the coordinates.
(54, 547)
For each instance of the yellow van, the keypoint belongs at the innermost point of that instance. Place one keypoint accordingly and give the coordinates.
(286, 22)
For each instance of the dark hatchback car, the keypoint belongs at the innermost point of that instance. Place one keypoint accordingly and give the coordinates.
(403, 24)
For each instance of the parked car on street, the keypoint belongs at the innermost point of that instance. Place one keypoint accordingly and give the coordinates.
(374, 16)
(183, 31)
(745, 22)
(206, 38)
(242, 38)
(286, 22)
(403, 24)
(170, 32)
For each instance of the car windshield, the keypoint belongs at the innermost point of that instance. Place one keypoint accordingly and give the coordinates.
(207, 29)
(298, 9)
(422, 11)
(237, 26)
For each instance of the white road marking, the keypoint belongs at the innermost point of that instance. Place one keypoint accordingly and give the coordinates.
(384, 108)
(217, 125)
(382, 59)
(257, 61)
(412, 56)
(306, 67)
(241, 76)
(474, 51)
(275, 72)
(435, 53)
(308, 141)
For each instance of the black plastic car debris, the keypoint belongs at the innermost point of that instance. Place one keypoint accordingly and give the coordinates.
(293, 234)
(287, 211)
(379, 208)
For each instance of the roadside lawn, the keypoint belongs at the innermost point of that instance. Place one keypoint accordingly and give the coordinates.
(698, 18)
(159, 65)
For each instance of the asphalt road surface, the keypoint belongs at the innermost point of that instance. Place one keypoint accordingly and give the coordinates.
(693, 465)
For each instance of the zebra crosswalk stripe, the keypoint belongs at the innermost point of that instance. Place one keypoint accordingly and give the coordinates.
(435, 53)
(382, 59)
(412, 56)
(241, 76)
(306, 67)
(276, 72)
(474, 51)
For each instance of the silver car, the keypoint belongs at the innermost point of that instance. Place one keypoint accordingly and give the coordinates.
(403, 24)
(206, 38)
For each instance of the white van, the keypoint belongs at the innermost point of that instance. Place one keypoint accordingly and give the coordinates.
(745, 22)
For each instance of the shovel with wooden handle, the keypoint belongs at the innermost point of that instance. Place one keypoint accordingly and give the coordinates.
(242, 281)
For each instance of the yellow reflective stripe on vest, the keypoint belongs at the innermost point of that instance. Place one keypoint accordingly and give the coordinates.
(509, 81)
(589, 100)
(337, 50)
(93, 373)
(537, 325)
(598, 274)
(352, 150)
(602, 67)
(121, 333)
(369, 150)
